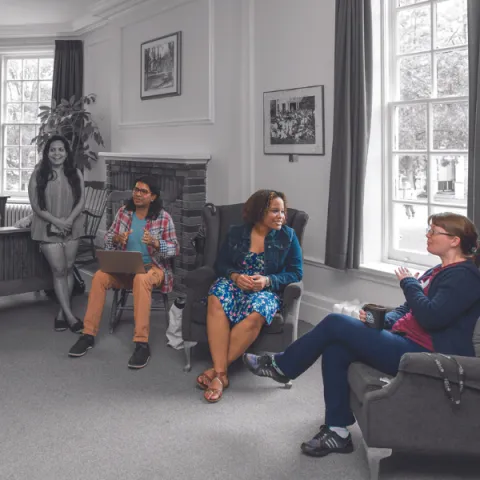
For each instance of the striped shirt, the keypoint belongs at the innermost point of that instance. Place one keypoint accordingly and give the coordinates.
(160, 228)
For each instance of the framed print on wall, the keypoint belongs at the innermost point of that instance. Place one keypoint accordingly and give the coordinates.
(294, 121)
(161, 66)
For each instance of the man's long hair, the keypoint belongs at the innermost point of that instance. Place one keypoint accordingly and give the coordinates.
(157, 205)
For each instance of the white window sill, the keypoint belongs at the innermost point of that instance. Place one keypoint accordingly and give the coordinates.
(22, 200)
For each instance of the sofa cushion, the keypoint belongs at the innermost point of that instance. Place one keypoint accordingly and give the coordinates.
(476, 338)
(200, 317)
(364, 379)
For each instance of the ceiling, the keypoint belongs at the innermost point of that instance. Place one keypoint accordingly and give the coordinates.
(42, 12)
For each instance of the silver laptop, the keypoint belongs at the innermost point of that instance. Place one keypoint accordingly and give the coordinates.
(116, 261)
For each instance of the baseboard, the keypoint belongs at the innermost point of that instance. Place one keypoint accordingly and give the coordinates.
(315, 307)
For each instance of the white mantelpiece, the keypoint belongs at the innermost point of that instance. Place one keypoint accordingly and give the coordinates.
(187, 159)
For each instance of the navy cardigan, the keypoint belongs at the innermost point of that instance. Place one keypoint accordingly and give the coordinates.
(449, 312)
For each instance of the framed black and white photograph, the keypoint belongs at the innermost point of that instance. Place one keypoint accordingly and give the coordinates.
(161, 67)
(294, 121)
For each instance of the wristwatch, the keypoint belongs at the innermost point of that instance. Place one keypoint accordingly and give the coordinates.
(268, 282)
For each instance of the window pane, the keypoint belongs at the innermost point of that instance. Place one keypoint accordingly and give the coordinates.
(459, 211)
(14, 91)
(14, 69)
(451, 23)
(45, 94)
(414, 32)
(30, 112)
(14, 112)
(12, 135)
(28, 132)
(28, 157)
(46, 68)
(452, 72)
(30, 69)
(13, 180)
(409, 223)
(30, 91)
(25, 178)
(12, 157)
(410, 177)
(415, 77)
(402, 3)
(450, 179)
(450, 126)
(412, 127)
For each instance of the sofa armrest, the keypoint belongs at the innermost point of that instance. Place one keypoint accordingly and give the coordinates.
(293, 291)
(421, 364)
(200, 276)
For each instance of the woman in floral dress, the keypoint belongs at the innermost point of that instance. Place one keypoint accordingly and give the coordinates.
(257, 260)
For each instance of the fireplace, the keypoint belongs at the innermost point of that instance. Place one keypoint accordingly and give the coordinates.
(182, 180)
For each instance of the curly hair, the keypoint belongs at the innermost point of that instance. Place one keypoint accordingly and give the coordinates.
(256, 207)
(157, 205)
(45, 172)
(459, 226)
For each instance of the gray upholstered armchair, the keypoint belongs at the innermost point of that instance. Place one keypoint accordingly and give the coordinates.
(411, 411)
(283, 330)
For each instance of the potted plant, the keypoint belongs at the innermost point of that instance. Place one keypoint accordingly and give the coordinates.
(70, 119)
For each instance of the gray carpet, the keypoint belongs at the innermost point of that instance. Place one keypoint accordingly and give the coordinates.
(92, 418)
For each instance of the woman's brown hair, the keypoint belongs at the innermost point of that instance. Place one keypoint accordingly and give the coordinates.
(256, 207)
(459, 226)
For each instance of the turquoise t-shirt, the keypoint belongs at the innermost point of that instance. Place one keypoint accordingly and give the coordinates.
(134, 243)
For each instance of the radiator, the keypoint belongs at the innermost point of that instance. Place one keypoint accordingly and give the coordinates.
(15, 211)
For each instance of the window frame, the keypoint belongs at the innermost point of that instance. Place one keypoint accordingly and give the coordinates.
(390, 83)
(34, 53)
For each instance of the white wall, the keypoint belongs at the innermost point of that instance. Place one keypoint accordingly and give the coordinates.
(233, 51)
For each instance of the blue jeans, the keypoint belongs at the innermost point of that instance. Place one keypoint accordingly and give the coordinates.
(341, 340)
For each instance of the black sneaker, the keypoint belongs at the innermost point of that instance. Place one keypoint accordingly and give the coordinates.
(141, 355)
(327, 441)
(84, 343)
(262, 366)
(60, 325)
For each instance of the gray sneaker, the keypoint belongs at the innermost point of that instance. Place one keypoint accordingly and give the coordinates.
(327, 441)
(262, 366)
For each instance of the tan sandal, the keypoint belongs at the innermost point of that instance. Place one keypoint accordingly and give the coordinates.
(204, 379)
(218, 392)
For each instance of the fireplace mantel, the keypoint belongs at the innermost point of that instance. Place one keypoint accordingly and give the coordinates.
(186, 159)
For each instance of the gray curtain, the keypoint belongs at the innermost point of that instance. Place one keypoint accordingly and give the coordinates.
(67, 70)
(474, 111)
(351, 128)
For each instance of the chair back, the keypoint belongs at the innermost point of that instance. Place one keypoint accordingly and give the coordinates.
(117, 199)
(218, 220)
(95, 203)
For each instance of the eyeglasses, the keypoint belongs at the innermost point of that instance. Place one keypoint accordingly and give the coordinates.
(141, 191)
(432, 232)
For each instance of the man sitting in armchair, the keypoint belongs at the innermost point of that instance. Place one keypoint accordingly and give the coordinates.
(141, 225)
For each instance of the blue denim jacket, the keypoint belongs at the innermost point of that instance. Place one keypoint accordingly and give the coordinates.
(283, 255)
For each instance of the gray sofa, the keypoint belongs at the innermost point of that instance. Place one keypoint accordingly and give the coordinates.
(411, 411)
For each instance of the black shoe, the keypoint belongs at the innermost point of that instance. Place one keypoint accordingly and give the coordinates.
(140, 356)
(76, 327)
(262, 366)
(327, 441)
(60, 325)
(84, 343)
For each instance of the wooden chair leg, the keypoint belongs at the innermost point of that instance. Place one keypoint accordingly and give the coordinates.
(374, 456)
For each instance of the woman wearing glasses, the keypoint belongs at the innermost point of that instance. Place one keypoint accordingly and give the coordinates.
(256, 262)
(57, 197)
(439, 315)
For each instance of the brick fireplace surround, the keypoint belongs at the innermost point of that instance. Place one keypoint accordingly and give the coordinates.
(183, 186)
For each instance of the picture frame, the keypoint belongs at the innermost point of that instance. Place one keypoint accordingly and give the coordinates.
(161, 72)
(294, 121)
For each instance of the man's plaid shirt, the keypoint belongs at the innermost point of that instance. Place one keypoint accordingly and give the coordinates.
(161, 228)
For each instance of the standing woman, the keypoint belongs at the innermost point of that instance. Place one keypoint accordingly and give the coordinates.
(57, 197)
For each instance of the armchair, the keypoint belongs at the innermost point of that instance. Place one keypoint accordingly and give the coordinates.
(411, 412)
(283, 330)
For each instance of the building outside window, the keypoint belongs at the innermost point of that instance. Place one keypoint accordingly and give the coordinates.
(26, 85)
(426, 104)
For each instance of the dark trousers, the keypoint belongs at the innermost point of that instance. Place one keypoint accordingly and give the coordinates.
(341, 340)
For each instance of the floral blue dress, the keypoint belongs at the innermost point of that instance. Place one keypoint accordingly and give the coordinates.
(238, 304)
